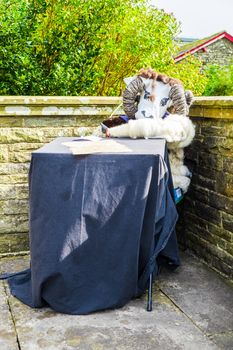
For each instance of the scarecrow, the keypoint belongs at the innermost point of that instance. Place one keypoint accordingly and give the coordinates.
(157, 105)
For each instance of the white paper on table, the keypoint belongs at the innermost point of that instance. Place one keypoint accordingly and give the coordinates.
(85, 145)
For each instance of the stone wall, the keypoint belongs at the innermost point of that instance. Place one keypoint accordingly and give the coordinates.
(220, 53)
(206, 214)
(26, 124)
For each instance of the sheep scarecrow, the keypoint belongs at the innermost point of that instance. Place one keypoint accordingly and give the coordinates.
(146, 100)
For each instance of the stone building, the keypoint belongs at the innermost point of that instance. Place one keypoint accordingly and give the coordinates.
(216, 49)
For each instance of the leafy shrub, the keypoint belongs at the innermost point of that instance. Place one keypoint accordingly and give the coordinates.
(190, 72)
(220, 80)
(85, 47)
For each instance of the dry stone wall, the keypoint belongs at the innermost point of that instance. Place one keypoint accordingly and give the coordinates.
(26, 124)
(206, 214)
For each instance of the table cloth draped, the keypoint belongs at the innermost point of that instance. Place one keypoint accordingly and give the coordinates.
(99, 225)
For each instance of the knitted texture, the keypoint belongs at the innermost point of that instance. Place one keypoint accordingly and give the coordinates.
(177, 95)
(130, 96)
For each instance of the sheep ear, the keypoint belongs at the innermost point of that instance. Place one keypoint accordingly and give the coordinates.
(129, 80)
(177, 96)
(189, 97)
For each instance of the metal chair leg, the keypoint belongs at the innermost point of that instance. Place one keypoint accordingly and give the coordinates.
(149, 300)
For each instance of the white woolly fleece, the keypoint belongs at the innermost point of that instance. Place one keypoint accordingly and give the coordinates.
(181, 181)
(176, 129)
(180, 172)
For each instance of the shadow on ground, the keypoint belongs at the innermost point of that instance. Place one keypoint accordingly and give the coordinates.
(193, 309)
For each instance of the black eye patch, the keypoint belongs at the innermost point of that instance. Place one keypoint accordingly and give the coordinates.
(146, 95)
(164, 101)
(146, 116)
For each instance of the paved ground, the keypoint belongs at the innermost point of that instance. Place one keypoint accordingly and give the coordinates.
(193, 310)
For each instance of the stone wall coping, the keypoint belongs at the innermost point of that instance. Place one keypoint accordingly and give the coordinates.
(99, 100)
(214, 101)
(50, 106)
(218, 107)
(59, 100)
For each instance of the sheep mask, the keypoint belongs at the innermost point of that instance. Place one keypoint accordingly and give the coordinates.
(149, 117)
(157, 93)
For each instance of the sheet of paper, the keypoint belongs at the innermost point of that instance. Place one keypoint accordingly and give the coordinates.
(99, 146)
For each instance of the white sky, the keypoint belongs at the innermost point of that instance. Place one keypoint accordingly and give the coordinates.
(200, 18)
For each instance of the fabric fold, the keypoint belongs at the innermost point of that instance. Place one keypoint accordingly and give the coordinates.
(98, 224)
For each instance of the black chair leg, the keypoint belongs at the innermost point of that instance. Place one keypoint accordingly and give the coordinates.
(149, 300)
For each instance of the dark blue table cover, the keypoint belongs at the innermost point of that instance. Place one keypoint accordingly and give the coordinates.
(99, 225)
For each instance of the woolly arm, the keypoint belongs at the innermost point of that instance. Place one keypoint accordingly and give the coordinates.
(129, 96)
(177, 95)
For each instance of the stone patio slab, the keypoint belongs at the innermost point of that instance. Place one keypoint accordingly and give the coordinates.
(223, 340)
(128, 328)
(8, 340)
(201, 294)
(182, 317)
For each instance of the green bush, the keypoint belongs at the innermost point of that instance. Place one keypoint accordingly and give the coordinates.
(85, 47)
(190, 72)
(220, 80)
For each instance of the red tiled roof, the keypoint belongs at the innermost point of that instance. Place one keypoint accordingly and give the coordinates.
(195, 46)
